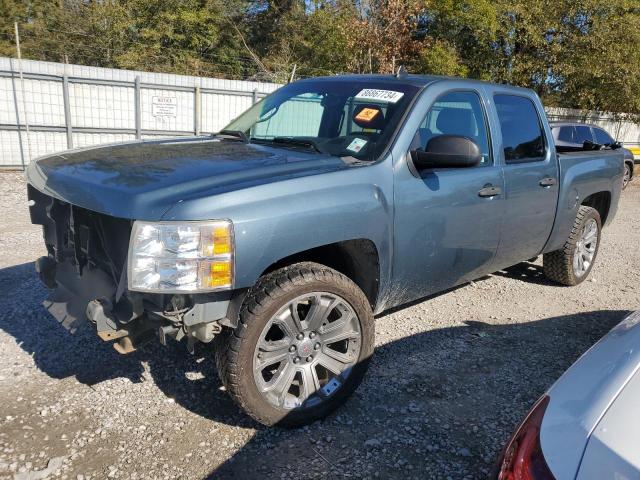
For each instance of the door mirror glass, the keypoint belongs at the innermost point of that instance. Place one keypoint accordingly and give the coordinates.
(447, 151)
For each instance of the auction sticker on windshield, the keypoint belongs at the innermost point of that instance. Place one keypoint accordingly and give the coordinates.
(356, 145)
(388, 96)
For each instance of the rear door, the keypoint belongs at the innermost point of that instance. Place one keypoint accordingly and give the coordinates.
(531, 175)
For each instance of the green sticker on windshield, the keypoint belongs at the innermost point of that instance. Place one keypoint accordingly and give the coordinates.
(356, 145)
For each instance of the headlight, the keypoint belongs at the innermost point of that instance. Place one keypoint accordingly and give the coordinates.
(181, 257)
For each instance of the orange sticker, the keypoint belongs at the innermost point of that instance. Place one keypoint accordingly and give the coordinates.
(367, 114)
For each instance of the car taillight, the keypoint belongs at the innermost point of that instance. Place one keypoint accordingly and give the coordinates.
(522, 458)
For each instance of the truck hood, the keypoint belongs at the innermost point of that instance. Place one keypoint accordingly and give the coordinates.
(143, 180)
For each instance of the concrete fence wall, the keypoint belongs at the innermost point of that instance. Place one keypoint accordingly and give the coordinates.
(52, 107)
(47, 107)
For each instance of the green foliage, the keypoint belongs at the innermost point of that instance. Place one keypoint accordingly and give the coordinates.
(574, 53)
(441, 58)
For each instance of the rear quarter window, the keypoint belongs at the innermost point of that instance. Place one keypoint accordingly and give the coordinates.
(522, 134)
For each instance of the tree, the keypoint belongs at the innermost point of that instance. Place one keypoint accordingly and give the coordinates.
(574, 53)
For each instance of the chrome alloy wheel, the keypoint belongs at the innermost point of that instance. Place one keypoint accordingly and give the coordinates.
(306, 351)
(585, 248)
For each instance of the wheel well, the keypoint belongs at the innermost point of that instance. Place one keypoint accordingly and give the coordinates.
(357, 259)
(601, 201)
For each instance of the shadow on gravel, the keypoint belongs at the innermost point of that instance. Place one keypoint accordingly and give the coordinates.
(439, 401)
(527, 272)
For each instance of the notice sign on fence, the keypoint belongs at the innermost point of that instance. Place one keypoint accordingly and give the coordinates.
(164, 106)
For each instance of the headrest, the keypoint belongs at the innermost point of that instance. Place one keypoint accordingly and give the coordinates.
(369, 116)
(457, 121)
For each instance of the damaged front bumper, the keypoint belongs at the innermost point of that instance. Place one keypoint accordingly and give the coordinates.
(86, 270)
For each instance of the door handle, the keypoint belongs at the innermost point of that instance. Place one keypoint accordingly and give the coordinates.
(489, 191)
(548, 182)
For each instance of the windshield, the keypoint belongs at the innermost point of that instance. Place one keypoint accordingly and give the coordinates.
(344, 118)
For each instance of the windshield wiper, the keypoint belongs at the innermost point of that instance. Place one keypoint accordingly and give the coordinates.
(236, 134)
(295, 142)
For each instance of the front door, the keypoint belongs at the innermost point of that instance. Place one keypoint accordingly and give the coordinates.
(447, 221)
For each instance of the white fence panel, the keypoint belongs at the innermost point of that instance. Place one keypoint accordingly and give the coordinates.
(45, 143)
(43, 101)
(7, 102)
(10, 153)
(101, 106)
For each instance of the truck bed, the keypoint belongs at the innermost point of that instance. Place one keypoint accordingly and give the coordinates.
(583, 175)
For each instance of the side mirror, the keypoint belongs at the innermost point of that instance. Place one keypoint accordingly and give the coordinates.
(615, 146)
(447, 151)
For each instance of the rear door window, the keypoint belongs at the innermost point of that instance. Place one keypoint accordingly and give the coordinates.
(522, 135)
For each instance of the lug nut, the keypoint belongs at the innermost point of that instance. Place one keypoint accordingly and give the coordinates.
(292, 348)
(312, 335)
(309, 358)
(296, 360)
(317, 346)
(260, 355)
(300, 336)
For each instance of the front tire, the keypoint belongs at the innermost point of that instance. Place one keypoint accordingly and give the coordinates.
(572, 264)
(302, 346)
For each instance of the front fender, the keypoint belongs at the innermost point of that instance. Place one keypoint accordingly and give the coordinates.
(277, 220)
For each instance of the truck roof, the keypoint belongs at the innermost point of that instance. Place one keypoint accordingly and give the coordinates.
(412, 79)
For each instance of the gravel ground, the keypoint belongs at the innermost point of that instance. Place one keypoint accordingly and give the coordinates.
(451, 378)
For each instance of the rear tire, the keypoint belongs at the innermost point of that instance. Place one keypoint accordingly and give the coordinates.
(572, 264)
(272, 363)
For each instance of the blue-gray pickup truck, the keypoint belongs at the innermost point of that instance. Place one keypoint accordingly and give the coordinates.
(327, 202)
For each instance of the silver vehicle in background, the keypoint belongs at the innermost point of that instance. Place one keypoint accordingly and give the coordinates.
(587, 426)
(572, 136)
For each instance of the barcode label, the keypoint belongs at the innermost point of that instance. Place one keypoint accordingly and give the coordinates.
(388, 96)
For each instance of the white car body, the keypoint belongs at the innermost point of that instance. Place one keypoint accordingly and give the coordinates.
(591, 426)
